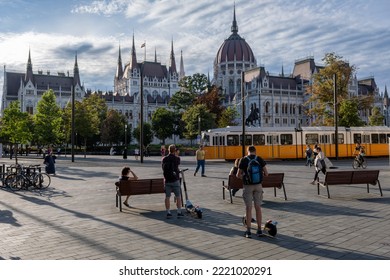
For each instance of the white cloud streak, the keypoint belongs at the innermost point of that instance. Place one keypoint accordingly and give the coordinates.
(279, 32)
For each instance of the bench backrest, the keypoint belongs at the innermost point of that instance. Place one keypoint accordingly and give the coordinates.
(273, 180)
(365, 177)
(141, 186)
(338, 177)
(235, 183)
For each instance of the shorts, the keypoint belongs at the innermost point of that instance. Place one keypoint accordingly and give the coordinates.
(253, 193)
(172, 187)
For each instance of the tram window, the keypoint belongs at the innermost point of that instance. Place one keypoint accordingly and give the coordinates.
(382, 138)
(232, 140)
(366, 139)
(311, 138)
(340, 139)
(206, 139)
(374, 139)
(286, 139)
(272, 139)
(325, 139)
(259, 139)
(357, 138)
(248, 140)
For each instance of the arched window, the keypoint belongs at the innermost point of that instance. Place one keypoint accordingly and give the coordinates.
(276, 108)
(267, 107)
(231, 86)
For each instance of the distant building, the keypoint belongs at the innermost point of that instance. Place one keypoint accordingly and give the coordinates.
(28, 87)
(273, 99)
(160, 82)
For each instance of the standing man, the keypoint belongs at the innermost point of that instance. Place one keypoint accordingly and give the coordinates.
(200, 159)
(252, 191)
(170, 166)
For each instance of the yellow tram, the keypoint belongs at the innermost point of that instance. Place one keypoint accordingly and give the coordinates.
(290, 143)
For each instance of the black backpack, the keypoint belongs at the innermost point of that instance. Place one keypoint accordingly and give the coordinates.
(254, 171)
(169, 169)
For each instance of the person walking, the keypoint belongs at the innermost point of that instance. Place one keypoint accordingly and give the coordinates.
(319, 164)
(233, 171)
(200, 159)
(49, 163)
(170, 166)
(252, 192)
(309, 154)
(125, 175)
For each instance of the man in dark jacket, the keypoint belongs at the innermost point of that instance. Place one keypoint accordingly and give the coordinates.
(170, 166)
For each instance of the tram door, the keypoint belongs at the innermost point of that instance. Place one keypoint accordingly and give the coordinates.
(273, 146)
(219, 143)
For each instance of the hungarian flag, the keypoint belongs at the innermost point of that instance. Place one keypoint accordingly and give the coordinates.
(143, 45)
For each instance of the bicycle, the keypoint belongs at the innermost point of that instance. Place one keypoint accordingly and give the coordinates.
(359, 161)
(24, 178)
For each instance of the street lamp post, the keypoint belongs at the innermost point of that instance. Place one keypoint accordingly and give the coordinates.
(125, 149)
(200, 131)
(243, 111)
(336, 132)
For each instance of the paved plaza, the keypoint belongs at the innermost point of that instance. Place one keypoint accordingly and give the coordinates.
(76, 217)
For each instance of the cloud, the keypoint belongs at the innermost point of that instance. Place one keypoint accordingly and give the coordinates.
(278, 31)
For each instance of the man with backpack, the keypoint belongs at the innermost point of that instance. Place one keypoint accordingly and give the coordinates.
(251, 169)
(170, 166)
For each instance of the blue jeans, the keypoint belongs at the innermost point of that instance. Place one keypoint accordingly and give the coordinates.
(201, 163)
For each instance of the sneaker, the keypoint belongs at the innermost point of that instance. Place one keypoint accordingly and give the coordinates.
(248, 234)
(169, 215)
(204, 175)
(195, 174)
(313, 182)
(259, 233)
(180, 214)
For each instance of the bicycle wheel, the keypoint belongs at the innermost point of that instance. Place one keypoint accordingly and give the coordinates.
(355, 164)
(364, 164)
(42, 181)
(14, 181)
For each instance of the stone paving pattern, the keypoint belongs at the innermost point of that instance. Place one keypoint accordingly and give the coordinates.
(76, 217)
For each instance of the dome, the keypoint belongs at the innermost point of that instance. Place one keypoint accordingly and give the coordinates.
(235, 48)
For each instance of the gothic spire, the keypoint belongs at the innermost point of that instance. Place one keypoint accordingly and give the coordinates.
(119, 68)
(172, 68)
(234, 25)
(29, 71)
(182, 73)
(76, 75)
(133, 59)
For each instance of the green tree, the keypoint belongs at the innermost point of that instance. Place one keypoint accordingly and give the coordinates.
(163, 124)
(16, 126)
(191, 118)
(212, 98)
(196, 83)
(376, 117)
(348, 113)
(321, 101)
(182, 99)
(228, 117)
(147, 133)
(190, 88)
(113, 128)
(48, 120)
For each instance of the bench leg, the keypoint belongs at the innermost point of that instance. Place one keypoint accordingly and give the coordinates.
(120, 203)
(327, 189)
(368, 188)
(284, 191)
(380, 188)
(231, 195)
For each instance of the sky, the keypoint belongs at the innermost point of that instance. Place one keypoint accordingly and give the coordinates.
(278, 31)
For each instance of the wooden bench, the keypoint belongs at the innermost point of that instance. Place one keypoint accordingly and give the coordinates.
(273, 180)
(137, 187)
(369, 177)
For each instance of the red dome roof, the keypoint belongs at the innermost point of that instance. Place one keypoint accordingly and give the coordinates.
(235, 48)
